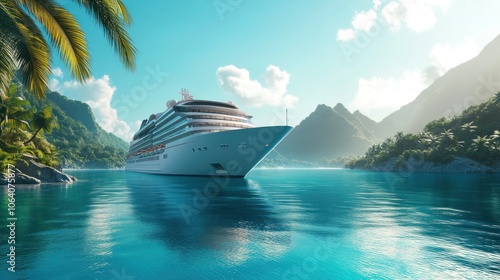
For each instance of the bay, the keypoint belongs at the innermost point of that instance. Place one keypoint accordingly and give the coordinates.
(274, 224)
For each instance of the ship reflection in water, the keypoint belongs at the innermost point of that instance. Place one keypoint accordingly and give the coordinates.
(220, 214)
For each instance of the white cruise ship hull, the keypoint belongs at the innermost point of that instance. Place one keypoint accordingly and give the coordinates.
(229, 153)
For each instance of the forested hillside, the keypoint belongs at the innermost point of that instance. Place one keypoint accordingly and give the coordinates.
(475, 135)
(80, 141)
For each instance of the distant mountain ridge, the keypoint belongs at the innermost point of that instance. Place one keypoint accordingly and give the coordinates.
(469, 83)
(365, 121)
(328, 133)
(80, 141)
(335, 132)
(75, 109)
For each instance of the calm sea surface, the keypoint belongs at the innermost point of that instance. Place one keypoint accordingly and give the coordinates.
(275, 224)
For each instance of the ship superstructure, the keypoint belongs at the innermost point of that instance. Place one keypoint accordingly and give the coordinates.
(201, 137)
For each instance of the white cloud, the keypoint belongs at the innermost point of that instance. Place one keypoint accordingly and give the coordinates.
(54, 84)
(444, 56)
(377, 96)
(417, 15)
(364, 20)
(346, 35)
(393, 13)
(98, 93)
(57, 72)
(274, 93)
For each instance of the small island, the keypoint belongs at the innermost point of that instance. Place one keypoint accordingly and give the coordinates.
(468, 143)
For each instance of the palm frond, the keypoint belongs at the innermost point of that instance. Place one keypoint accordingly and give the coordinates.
(113, 20)
(14, 110)
(30, 50)
(65, 33)
(44, 119)
(122, 11)
(7, 62)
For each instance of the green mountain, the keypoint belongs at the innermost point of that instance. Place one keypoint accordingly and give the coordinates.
(469, 142)
(80, 141)
(470, 83)
(328, 133)
(75, 110)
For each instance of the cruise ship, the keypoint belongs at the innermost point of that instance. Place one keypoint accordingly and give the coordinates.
(201, 138)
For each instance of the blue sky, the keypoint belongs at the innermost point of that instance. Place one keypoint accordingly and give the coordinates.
(265, 56)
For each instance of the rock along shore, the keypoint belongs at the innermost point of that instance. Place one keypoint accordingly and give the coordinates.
(29, 171)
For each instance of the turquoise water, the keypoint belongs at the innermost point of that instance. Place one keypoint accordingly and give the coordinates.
(275, 224)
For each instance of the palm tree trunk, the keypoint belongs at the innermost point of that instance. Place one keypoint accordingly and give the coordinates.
(32, 137)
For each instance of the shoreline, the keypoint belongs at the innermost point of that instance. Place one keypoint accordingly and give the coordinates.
(30, 172)
(460, 165)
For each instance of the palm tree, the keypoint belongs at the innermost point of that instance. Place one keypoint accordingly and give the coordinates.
(495, 135)
(496, 98)
(24, 48)
(481, 144)
(428, 139)
(495, 144)
(13, 110)
(43, 120)
(469, 127)
(447, 135)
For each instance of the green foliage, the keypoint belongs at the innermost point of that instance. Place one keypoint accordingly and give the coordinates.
(72, 146)
(14, 110)
(80, 142)
(16, 116)
(27, 27)
(9, 154)
(43, 120)
(12, 148)
(74, 110)
(473, 134)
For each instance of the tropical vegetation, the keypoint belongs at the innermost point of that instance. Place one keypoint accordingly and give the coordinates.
(29, 30)
(30, 126)
(81, 142)
(25, 49)
(18, 137)
(474, 134)
(43, 120)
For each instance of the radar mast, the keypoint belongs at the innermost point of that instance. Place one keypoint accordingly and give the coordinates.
(185, 94)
